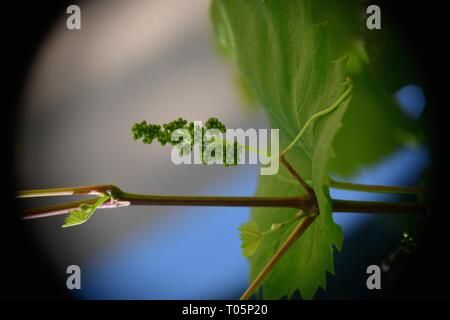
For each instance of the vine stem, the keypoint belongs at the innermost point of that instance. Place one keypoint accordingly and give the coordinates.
(309, 190)
(120, 198)
(301, 227)
(70, 191)
(374, 188)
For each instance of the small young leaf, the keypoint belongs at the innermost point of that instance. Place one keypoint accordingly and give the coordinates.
(250, 237)
(83, 213)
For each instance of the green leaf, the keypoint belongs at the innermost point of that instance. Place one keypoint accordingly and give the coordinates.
(390, 60)
(373, 127)
(83, 213)
(346, 20)
(250, 237)
(285, 59)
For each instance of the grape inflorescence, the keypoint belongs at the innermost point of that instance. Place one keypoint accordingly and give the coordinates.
(163, 134)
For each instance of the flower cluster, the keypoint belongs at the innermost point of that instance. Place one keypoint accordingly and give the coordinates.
(163, 134)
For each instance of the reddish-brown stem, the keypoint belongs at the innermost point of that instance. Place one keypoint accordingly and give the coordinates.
(293, 236)
(120, 198)
(294, 173)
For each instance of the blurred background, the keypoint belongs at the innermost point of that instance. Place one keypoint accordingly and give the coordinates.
(156, 61)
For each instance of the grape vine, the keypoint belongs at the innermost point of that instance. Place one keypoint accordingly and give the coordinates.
(284, 58)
